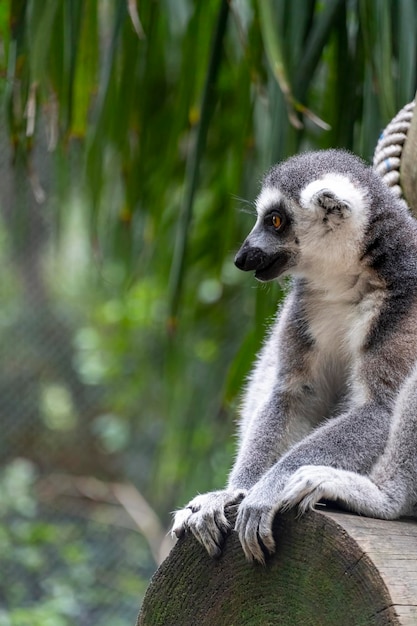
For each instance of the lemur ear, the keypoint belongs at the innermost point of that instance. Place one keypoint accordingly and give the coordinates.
(331, 205)
(332, 199)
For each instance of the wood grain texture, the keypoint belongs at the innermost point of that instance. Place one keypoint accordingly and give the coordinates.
(330, 568)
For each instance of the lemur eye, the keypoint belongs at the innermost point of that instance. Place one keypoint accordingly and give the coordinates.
(276, 221)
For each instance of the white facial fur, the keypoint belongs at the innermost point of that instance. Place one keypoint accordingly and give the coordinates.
(331, 245)
(267, 199)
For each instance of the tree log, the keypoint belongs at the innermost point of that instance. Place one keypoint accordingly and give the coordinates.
(408, 169)
(330, 568)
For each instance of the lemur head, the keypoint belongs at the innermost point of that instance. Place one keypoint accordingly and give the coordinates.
(312, 212)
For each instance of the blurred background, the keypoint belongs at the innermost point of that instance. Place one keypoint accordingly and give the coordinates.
(133, 136)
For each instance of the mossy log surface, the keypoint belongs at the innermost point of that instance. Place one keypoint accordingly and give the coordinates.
(330, 568)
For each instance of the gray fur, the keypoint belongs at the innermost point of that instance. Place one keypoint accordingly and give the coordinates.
(330, 410)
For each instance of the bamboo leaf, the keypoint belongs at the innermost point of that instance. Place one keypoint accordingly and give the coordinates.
(377, 37)
(319, 33)
(85, 70)
(193, 163)
(103, 117)
(275, 57)
(72, 15)
(406, 36)
(43, 16)
(274, 52)
(134, 16)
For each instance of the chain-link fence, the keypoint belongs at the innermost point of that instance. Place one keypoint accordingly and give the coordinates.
(77, 540)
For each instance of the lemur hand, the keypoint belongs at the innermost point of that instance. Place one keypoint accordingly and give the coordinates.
(205, 517)
(255, 516)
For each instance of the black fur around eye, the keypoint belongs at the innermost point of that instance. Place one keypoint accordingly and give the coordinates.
(277, 220)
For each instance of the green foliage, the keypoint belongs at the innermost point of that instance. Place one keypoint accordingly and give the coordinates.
(143, 102)
(58, 573)
(137, 133)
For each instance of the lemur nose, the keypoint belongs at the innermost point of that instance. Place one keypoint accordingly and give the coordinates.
(248, 258)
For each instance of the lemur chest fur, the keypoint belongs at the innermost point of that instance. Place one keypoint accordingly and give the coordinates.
(339, 320)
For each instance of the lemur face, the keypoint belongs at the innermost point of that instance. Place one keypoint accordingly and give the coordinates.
(316, 226)
(271, 247)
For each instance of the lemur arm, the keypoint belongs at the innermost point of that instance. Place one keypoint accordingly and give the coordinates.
(263, 430)
(389, 492)
(352, 441)
(277, 410)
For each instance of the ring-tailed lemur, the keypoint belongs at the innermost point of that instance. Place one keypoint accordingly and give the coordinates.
(331, 406)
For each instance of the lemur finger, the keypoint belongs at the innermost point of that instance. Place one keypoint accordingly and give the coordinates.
(247, 525)
(309, 501)
(207, 533)
(265, 531)
(180, 522)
